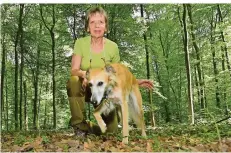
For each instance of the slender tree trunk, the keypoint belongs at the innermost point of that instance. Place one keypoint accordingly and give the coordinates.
(39, 100)
(25, 106)
(179, 116)
(215, 69)
(200, 77)
(187, 64)
(74, 26)
(197, 85)
(2, 77)
(46, 115)
(225, 55)
(45, 118)
(152, 116)
(21, 75)
(16, 64)
(16, 80)
(52, 34)
(156, 69)
(53, 66)
(205, 98)
(168, 85)
(7, 105)
(223, 40)
(35, 101)
(36, 83)
(224, 90)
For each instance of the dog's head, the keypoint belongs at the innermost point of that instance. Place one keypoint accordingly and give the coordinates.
(101, 81)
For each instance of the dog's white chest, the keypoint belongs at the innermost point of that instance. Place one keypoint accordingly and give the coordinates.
(113, 101)
(108, 107)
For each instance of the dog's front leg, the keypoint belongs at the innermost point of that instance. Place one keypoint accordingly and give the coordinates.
(100, 122)
(124, 109)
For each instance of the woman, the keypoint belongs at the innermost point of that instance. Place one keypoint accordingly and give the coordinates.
(92, 51)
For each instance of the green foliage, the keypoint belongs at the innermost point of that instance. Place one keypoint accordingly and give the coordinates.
(20, 140)
(45, 139)
(161, 24)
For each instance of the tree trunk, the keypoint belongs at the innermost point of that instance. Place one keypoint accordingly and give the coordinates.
(215, 70)
(16, 64)
(179, 116)
(169, 84)
(36, 83)
(3, 73)
(7, 106)
(187, 64)
(223, 40)
(52, 34)
(225, 55)
(39, 104)
(21, 74)
(45, 117)
(156, 69)
(197, 85)
(53, 66)
(25, 106)
(74, 26)
(45, 114)
(112, 34)
(151, 115)
(200, 77)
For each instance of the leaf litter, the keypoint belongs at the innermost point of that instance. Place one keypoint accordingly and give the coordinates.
(65, 141)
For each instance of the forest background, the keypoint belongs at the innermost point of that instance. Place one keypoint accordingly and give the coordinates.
(184, 48)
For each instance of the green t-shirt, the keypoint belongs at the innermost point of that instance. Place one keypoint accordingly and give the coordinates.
(110, 53)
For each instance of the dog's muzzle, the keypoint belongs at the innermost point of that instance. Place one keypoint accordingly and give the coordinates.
(94, 101)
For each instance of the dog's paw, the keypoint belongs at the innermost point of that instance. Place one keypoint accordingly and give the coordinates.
(103, 128)
(125, 140)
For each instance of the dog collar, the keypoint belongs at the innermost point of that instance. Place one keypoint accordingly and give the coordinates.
(104, 99)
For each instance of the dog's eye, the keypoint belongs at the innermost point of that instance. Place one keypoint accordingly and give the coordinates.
(100, 83)
(90, 84)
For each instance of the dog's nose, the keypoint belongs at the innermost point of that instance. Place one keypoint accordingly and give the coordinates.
(94, 103)
(93, 100)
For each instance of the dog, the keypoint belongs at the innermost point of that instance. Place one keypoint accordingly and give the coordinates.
(115, 87)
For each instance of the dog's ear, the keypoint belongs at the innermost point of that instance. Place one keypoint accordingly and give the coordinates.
(109, 69)
(112, 77)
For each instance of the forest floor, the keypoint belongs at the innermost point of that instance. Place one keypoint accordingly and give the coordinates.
(180, 138)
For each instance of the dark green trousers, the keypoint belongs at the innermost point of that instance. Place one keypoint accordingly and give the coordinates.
(76, 97)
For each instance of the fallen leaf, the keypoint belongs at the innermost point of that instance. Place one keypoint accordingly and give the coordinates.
(86, 147)
(16, 148)
(59, 150)
(27, 147)
(113, 149)
(137, 148)
(73, 143)
(149, 147)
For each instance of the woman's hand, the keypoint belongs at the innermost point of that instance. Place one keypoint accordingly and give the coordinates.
(84, 83)
(145, 83)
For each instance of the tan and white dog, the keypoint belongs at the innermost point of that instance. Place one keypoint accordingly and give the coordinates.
(117, 84)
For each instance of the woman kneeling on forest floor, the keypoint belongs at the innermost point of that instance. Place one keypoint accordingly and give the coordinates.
(88, 51)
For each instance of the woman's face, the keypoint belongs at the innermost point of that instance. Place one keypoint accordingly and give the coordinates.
(97, 25)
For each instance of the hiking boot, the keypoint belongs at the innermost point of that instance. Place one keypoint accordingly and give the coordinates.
(80, 133)
(81, 129)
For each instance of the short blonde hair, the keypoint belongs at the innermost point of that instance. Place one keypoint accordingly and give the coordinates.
(95, 10)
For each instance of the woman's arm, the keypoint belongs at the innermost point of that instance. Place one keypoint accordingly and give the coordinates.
(75, 66)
